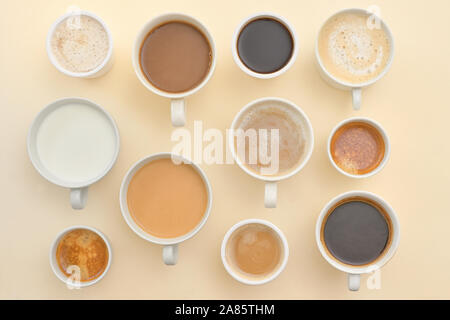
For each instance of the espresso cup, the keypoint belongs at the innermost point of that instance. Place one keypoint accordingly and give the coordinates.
(270, 197)
(354, 270)
(293, 43)
(361, 147)
(67, 279)
(101, 68)
(255, 252)
(170, 244)
(355, 88)
(178, 102)
(73, 143)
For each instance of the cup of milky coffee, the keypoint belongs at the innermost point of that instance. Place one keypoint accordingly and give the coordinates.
(165, 199)
(264, 45)
(73, 143)
(79, 44)
(271, 139)
(80, 256)
(354, 49)
(357, 232)
(254, 251)
(358, 147)
(174, 56)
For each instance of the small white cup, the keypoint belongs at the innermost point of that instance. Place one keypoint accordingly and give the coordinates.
(102, 68)
(377, 126)
(178, 103)
(170, 245)
(354, 272)
(78, 190)
(270, 197)
(250, 281)
(356, 89)
(54, 264)
(262, 15)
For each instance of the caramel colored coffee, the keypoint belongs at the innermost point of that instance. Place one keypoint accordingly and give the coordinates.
(84, 249)
(167, 200)
(255, 250)
(357, 148)
(175, 57)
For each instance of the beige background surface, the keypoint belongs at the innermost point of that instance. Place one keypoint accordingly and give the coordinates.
(410, 102)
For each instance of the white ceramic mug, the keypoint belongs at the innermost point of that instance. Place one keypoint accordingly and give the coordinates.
(78, 190)
(102, 68)
(54, 263)
(379, 128)
(262, 15)
(270, 197)
(178, 103)
(246, 280)
(354, 272)
(170, 245)
(356, 89)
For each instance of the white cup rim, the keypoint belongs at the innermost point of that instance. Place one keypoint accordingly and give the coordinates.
(161, 19)
(55, 62)
(272, 227)
(31, 141)
(260, 15)
(384, 135)
(371, 81)
(308, 127)
(124, 206)
(54, 264)
(379, 262)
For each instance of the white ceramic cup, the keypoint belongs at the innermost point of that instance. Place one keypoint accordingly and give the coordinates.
(54, 264)
(170, 245)
(262, 15)
(354, 272)
(379, 128)
(356, 89)
(102, 68)
(247, 280)
(178, 103)
(78, 190)
(270, 197)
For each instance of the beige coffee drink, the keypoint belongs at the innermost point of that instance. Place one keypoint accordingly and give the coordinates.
(353, 48)
(80, 43)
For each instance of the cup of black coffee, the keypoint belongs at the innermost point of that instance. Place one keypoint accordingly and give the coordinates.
(264, 45)
(357, 232)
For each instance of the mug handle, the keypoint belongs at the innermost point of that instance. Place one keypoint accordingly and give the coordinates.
(170, 254)
(357, 97)
(270, 195)
(78, 197)
(178, 112)
(354, 281)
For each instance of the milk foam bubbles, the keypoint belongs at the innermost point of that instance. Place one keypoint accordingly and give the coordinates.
(76, 142)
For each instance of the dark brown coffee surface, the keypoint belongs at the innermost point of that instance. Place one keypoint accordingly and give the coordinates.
(356, 232)
(175, 57)
(265, 45)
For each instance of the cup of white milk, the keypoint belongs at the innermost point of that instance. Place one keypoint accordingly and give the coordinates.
(73, 142)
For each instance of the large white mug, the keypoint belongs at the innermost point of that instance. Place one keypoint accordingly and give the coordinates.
(170, 245)
(270, 196)
(356, 89)
(78, 189)
(178, 103)
(353, 271)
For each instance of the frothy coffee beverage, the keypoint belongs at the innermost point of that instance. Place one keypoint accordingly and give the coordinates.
(254, 250)
(86, 251)
(357, 147)
(350, 50)
(80, 43)
(167, 200)
(286, 147)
